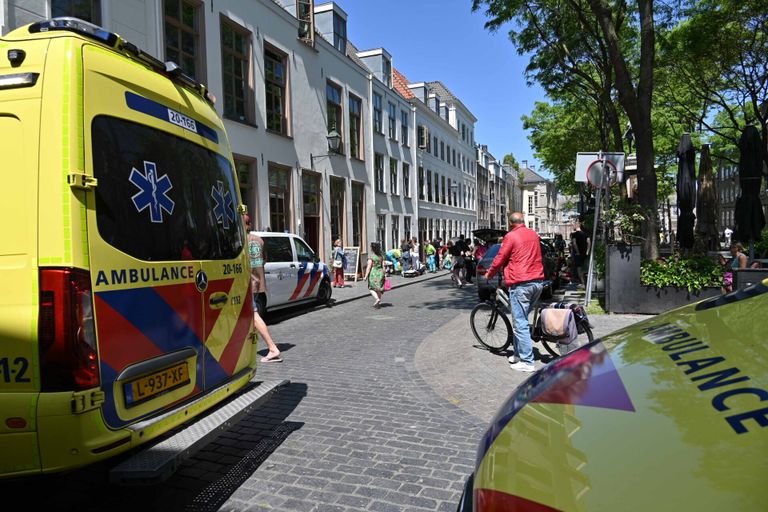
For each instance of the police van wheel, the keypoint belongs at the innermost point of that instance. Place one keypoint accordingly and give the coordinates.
(324, 292)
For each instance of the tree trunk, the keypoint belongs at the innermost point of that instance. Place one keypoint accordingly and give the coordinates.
(636, 103)
(646, 190)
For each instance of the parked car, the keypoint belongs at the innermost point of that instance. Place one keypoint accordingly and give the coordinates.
(294, 274)
(486, 288)
(666, 414)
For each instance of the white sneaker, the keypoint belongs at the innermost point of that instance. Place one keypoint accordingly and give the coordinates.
(513, 359)
(522, 366)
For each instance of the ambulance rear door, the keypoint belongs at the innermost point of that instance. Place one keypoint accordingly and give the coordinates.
(150, 226)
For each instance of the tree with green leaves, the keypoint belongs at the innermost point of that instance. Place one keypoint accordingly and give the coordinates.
(595, 42)
(716, 60)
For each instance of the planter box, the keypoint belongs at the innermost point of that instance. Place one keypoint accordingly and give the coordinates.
(625, 293)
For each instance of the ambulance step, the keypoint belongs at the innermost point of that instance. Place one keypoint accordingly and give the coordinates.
(158, 462)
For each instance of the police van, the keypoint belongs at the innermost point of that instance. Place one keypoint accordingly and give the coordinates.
(124, 306)
(294, 274)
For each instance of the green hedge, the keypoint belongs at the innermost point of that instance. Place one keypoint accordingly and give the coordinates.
(693, 273)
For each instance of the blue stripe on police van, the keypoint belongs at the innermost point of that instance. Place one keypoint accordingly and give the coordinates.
(160, 111)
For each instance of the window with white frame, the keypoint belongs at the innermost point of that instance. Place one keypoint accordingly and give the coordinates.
(393, 176)
(381, 229)
(355, 126)
(406, 180)
(386, 72)
(395, 230)
(378, 165)
(333, 110)
(86, 10)
(404, 127)
(421, 183)
(182, 27)
(339, 33)
(275, 90)
(377, 113)
(235, 65)
(392, 121)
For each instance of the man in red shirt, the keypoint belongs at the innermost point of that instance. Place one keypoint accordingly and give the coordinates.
(520, 257)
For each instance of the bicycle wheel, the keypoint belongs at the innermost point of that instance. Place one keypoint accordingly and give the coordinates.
(583, 339)
(491, 327)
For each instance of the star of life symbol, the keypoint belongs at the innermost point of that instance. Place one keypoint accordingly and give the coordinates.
(224, 209)
(153, 192)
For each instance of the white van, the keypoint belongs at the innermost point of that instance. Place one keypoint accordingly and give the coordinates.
(294, 274)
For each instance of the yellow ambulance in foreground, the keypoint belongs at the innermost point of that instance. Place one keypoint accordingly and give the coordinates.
(668, 414)
(124, 297)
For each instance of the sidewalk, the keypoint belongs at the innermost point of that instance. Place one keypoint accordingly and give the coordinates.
(603, 324)
(358, 289)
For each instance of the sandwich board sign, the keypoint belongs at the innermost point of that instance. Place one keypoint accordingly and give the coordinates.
(589, 168)
(352, 260)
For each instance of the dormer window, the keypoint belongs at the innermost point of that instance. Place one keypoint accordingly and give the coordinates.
(386, 72)
(340, 33)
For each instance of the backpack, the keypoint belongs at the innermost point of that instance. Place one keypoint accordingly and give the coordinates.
(558, 325)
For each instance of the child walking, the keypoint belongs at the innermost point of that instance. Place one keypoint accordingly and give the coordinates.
(339, 262)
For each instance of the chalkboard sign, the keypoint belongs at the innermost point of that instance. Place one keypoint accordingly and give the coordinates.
(352, 255)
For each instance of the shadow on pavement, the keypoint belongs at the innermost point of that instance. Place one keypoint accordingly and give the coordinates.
(204, 482)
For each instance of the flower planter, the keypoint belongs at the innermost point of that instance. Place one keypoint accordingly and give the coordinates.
(625, 293)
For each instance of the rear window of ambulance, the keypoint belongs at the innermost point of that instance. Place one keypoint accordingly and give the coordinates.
(162, 197)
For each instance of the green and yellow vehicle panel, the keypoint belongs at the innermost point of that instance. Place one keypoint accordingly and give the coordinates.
(668, 414)
(113, 159)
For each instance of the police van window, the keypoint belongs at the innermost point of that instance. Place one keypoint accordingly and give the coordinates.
(278, 249)
(161, 197)
(303, 252)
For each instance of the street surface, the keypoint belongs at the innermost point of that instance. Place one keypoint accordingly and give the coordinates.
(383, 413)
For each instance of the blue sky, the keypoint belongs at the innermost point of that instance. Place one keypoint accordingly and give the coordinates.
(444, 40)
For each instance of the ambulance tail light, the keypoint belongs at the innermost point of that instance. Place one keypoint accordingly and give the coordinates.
(66, 332)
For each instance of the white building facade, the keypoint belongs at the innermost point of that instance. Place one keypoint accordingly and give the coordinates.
(447, 184)
(285, 78)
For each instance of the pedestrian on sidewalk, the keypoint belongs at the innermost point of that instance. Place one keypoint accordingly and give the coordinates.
(523, 271)
(405, 254)
(431, 253)
(393, 256)
(457, 263)
(339, 262)
(256, 259)
(415, 259)
(374, 274)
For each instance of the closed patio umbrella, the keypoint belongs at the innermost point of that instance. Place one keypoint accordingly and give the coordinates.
(748, 213)
(686, 191)
(706, 203)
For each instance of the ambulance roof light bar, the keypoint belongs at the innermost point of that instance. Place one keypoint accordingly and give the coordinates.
(76, 25)
(169, 69)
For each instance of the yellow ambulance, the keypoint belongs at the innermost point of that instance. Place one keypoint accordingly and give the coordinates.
(124, 299)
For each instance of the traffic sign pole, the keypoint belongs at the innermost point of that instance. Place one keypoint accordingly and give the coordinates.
(598, 201)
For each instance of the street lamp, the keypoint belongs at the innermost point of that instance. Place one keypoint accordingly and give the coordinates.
(334, 141)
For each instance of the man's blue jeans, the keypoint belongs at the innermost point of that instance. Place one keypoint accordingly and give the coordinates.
(522, 298)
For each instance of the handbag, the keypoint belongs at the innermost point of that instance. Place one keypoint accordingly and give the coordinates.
(387, 284)
(337, 264)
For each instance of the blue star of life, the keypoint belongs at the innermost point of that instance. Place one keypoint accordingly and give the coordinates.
(224, 209)
(153, 192)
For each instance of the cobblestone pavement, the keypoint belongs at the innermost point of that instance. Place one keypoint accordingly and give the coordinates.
(383, 413)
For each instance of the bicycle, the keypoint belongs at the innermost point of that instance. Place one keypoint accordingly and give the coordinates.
(497, 335)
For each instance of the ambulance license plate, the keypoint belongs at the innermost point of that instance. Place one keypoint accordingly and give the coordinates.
(150, 386)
